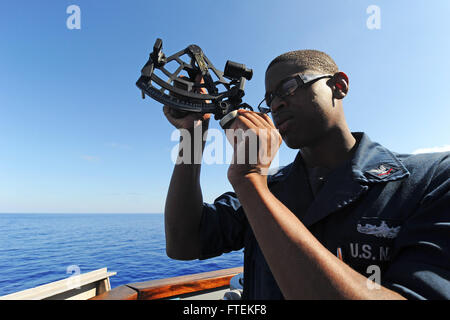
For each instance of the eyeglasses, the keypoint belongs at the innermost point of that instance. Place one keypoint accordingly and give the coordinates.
(288, 86)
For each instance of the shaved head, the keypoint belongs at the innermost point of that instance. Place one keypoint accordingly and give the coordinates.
(308, 60)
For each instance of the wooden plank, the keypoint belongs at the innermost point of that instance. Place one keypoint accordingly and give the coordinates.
(164, 288)
(85, 292)
(70, 284)
(103, 286)
(118, 293)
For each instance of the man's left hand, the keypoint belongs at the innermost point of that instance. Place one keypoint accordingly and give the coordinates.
(255, 141)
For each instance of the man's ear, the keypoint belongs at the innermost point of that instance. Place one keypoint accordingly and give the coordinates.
(340, 85)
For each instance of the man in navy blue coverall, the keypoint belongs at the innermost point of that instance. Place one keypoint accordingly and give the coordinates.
(345, 210)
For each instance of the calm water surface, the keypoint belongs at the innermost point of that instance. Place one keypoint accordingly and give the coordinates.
(36, 249)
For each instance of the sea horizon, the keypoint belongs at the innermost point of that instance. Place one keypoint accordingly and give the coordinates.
(37, 249)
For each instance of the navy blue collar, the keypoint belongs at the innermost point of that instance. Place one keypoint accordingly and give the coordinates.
(371, 163)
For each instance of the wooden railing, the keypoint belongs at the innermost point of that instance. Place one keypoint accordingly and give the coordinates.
(172, 287)
(80, 287)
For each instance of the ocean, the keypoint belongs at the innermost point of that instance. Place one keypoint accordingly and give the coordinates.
(36, 249)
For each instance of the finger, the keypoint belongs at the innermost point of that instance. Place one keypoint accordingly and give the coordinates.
(267, 131)
(172, 113)
(265, 118)
(268, 120)
(256, 119)
(199, 79)
(248, 123)
(166, 110)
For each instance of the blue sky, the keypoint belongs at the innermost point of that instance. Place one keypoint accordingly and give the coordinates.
(75, 136)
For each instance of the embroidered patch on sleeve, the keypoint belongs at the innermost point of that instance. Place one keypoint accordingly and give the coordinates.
(382, 171)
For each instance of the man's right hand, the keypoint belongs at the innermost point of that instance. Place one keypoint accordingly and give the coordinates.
(189, 122)
(191, 119)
